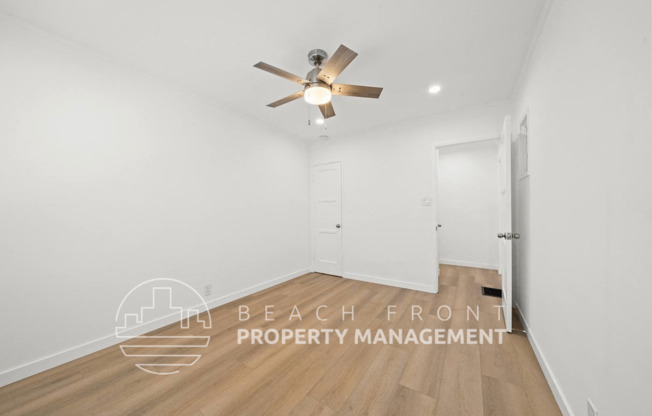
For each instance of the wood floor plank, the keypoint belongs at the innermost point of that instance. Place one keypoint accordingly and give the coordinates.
(425, 366)
(291, 379)
(409, 402)
(337, 384)
(379, 385)
(311, 407)
(448, 275)
(503, 399)
(498, 360)
(365, 313)
(446, 298)
(231, 400)
(288, 389)
(460, 391)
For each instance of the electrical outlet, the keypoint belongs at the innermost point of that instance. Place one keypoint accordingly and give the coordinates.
(208, 290)
(592, 411)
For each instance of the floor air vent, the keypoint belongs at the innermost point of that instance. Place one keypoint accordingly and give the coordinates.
(490, 291)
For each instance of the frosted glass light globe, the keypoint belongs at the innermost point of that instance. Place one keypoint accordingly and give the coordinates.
(317, 94)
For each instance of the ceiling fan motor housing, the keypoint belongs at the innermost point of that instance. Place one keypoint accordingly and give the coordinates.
(317, 57)
(312, 76)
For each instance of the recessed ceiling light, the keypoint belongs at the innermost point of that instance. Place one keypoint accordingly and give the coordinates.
(434, 89)
(319, 121)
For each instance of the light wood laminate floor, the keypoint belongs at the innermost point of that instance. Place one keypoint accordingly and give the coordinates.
(301, 380)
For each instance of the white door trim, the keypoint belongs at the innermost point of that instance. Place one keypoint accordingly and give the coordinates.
(313, 228)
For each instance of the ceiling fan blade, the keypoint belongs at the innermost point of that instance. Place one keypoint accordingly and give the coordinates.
(286, 100)
(336, 64)
(327, 110)
(356, 90)
(281, 73)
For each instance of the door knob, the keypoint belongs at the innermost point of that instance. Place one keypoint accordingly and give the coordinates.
(501, 235)
(338, 226)
(516, 236)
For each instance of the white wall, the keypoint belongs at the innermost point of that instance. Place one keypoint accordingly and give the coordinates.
(468, 204)
(388, 236)
(109, 177)
(588, 282)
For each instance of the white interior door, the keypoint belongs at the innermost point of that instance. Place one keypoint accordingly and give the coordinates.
(505, 220)
(327, 218)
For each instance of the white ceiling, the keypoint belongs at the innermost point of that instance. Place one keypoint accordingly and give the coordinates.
(474, 48)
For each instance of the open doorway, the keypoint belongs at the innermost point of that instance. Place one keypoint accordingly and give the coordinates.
(468, 204)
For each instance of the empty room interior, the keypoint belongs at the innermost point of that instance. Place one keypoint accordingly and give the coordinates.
(424, 207)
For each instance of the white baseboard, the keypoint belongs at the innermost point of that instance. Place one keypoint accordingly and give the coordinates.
(560, 397)
(391, 282)
(42, 364)
(34, 367)
(469, 264)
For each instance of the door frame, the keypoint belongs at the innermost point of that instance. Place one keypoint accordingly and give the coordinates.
(313, 228)
(435, 191)
(518, 223)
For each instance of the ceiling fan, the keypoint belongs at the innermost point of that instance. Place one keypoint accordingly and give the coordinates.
(318, 86)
